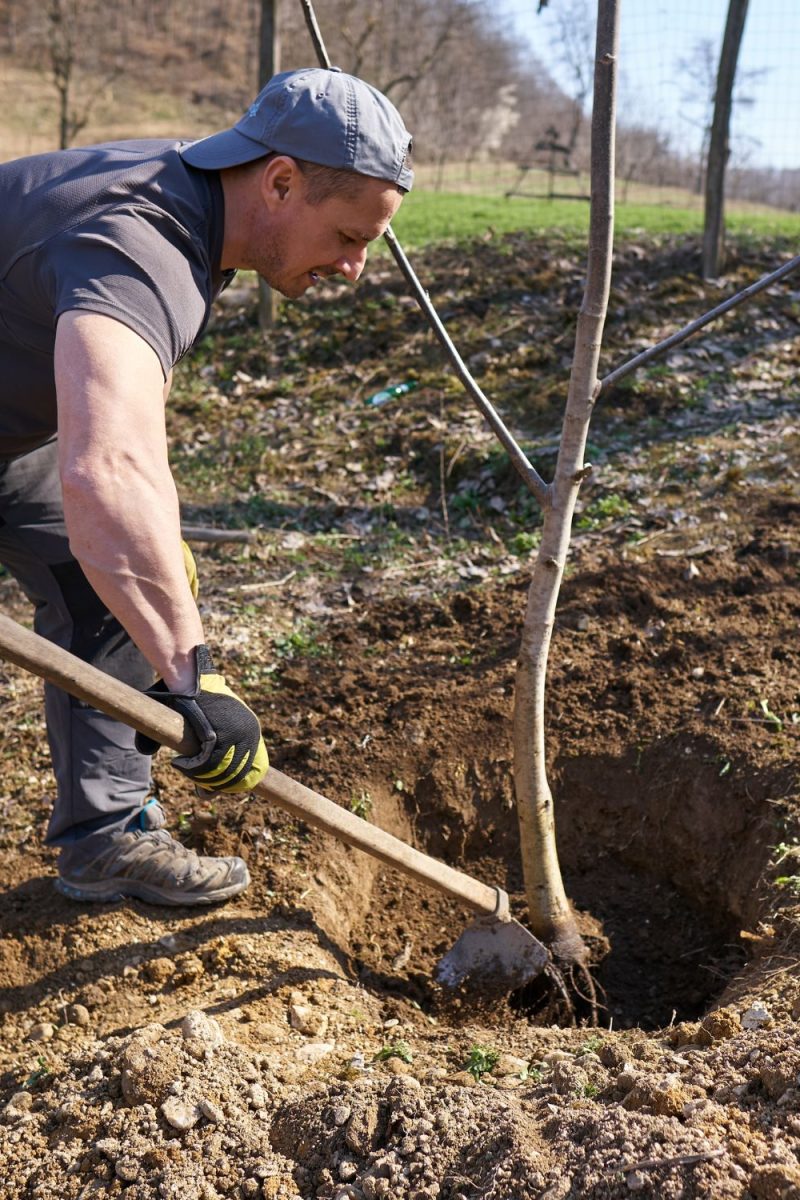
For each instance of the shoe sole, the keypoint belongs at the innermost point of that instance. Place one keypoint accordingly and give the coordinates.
(107, 893)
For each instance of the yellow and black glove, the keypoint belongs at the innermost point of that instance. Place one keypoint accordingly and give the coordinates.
(232, 755)
(191, 570)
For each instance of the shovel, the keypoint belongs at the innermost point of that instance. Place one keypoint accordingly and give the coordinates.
(494, 953)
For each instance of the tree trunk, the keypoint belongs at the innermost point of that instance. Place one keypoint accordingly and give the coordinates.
(551, 917)
(719, 149)
(268, 64)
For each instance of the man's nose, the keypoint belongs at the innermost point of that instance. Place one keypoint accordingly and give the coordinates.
(352, 264)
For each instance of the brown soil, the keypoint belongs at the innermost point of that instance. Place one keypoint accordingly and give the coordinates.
(330, 1065)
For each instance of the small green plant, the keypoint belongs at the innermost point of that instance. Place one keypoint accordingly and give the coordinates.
(784, 850)
(523, 542)
(481, 1060)
(790, 882)
(361, 804)
(300, 643)
(41, 1071)
(591, 1045)
(774, 722)
(400, 1050)
(606, 508)
(589, 1090)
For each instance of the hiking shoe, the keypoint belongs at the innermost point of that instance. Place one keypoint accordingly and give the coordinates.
(149, 865)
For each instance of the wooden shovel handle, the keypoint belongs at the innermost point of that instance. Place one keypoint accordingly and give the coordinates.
(124, 703)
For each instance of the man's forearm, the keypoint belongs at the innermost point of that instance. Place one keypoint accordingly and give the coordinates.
(127, 541)
(120, 503)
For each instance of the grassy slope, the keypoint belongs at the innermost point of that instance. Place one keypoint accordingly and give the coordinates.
(435, 216)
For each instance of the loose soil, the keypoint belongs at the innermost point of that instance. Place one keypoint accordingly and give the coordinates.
(293, 1043)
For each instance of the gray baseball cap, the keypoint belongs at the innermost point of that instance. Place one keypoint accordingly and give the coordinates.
(321, 115)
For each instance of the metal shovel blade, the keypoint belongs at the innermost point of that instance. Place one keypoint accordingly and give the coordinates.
(493, 954)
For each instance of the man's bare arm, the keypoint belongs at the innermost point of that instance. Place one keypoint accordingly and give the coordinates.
(120, 503)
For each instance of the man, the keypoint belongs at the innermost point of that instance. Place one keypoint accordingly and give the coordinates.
(110, 259)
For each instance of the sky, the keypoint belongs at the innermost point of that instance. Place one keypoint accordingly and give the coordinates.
(656, 34)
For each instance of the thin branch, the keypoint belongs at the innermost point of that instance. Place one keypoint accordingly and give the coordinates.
(527, 472)
(652, 1164)
(530, 477)
(316, 35)
(682, 334)
(202, 533)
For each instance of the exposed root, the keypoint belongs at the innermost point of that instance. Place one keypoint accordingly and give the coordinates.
(566, 993)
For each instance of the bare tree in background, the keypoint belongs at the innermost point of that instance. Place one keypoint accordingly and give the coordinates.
(719, 149)
(573, 47)
(698, 74)
(67, 34)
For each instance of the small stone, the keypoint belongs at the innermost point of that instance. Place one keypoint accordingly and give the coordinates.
(636, 1181)
(756, 1016)
(691, 572)
(510, 1064)
(180, 1114)
(211, 1111)
(554, 1056)
(42, 1032)
(341, 1114)
(582, 623)
(108, 1146)
(312, 1052)
(347, 1170)
(127, 1169)
(310, 1021)
(77, 1014)
(198, 1026)
(250, 1188)
(21, 1101)
(698, 672)
(257, 1096)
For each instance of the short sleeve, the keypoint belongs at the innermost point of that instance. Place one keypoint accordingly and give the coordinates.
(142, 270)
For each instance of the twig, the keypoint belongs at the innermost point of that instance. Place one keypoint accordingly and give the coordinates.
(682, 334)
(652, 1164)
(526, 471)
(443, 483)
(246, 588)
(200, 533)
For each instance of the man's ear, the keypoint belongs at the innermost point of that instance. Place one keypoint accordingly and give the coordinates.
(280, 181)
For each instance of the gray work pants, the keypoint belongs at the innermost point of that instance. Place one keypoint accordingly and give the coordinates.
(102, 780)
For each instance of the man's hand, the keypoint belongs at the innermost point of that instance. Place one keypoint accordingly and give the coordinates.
(232, 755)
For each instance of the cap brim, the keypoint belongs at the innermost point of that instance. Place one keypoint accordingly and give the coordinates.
(227, 149)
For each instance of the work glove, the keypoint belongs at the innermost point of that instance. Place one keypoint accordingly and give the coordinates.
(191, 570)
(232, 755)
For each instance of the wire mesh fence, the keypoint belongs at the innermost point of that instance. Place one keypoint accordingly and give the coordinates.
(496, 93)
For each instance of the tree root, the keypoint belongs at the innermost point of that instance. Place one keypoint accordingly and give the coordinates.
(566, 993)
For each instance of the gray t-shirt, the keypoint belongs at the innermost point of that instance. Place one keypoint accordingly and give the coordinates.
(128, 230)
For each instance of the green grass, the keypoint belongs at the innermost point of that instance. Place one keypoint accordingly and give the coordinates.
(449, 216)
